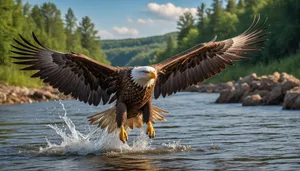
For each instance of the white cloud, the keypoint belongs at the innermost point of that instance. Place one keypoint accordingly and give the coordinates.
(105, 34)
(147, 21)
(125, 31)
(141, 21)
(129, 20)
(169, 10)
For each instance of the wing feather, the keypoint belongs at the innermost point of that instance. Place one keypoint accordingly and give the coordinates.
(71, 73)
(207, 59)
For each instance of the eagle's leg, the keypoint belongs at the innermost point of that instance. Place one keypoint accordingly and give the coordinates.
(150, 130)
(123, 134)
(121, 118)
(147, 112)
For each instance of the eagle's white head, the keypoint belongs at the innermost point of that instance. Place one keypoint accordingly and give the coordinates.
(144, 76)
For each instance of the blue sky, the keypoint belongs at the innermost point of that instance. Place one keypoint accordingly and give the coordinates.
(128, 19)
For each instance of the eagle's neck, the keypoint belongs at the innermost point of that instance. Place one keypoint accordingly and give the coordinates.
(144, 83)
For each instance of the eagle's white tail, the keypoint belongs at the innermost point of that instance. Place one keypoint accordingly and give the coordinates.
(107, 119)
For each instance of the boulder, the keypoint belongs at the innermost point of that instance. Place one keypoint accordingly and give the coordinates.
(285, 76)
(233, 95)
(262, 93)
(225, 95)
(249, 79)
(223, 86)
(267, 84)
(3, 97)
(252, 100)
(274, 97)
(276, 76)
(193, 88)
(292, 99)
(289, 84)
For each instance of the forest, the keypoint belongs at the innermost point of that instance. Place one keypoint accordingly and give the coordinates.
(55, 30)
(225, 19)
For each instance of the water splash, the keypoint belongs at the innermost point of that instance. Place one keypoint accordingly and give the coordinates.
(99, 142)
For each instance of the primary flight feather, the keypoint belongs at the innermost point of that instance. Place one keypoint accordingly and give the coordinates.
(132, 87)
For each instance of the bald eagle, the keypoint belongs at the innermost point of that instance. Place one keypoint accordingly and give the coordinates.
(132, 87)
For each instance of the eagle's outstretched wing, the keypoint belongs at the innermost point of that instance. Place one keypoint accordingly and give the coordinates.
(207, 59)
(85, 79)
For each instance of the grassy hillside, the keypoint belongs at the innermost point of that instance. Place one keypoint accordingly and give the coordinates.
(126, 52)
(289, 64)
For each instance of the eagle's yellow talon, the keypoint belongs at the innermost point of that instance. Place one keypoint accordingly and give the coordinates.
(150, 130)
(123, 134)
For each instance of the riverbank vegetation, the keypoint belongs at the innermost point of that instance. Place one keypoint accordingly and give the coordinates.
(56, 31)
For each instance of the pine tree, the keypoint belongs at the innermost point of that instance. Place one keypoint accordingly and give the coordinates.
(217, 13)
(168, 52)
(201, 16)
(70, 20)
(241, 4)
(231, 6)
(171, 45)
(6, 29)
(54, 26)
(185, 23)
(87, 31)
(73, 42)
(89, 40)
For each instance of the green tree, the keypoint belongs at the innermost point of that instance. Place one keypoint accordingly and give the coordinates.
(241, 4)
(54, 26)
(201, 17)
(185, 23)
(191, 39)
(70, 20)
(168, 52)
(217, 12)
(231, 6)
(6, 29)
(73, 42)
(88, 40)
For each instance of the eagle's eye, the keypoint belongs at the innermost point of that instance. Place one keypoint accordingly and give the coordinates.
(144, 71)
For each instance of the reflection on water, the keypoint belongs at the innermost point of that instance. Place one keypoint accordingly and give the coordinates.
(198, 135)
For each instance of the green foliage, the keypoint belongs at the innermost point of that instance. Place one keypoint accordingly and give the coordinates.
(163, 54)
(46, 22)
(289, 65)
(235, 19)
(185, 23)
(231, 6)
(12, 75)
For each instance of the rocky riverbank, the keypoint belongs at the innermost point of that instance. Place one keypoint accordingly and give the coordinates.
(276, 89)
(15, 94)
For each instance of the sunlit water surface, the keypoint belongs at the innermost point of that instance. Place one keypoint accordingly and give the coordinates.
(198, 135)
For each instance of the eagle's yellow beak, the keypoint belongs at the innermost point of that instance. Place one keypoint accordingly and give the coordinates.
(152, 75)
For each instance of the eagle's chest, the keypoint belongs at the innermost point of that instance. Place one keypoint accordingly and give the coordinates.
(136, 97)
(133, 95)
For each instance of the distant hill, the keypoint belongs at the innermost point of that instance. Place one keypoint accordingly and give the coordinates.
(130, 52)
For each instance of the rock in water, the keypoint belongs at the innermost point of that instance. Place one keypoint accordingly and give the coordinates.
(292, 99)
(252, 100)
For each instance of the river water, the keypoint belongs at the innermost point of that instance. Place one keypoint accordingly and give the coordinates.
(199, 135)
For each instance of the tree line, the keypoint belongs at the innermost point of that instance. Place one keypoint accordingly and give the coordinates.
(55, 31)
(231, 19)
